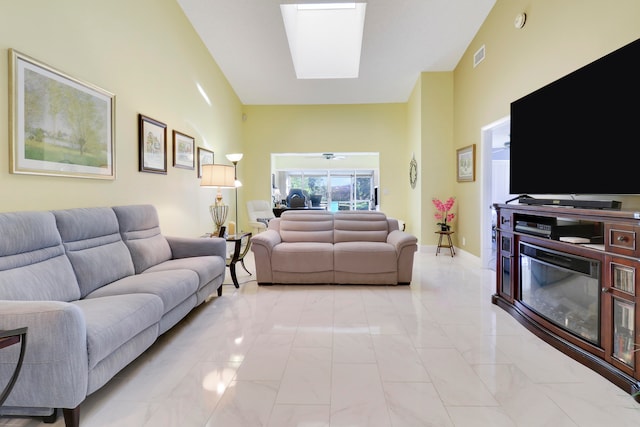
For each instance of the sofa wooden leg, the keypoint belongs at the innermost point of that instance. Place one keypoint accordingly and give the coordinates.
(71, 416)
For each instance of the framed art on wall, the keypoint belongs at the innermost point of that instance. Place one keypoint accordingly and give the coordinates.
(59, 125)
(466, 163)
(205, 157)
(183, 147)
(153, 145)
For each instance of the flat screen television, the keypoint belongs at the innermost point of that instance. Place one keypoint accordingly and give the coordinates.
(580, 135)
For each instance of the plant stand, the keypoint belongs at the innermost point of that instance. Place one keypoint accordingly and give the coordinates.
(447, 244)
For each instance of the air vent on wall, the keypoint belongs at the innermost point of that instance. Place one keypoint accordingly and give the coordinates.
(478, 56)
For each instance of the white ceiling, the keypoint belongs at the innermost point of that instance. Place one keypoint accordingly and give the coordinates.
(402, 38)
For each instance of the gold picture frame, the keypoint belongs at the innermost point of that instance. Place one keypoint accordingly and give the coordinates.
(183, 148)
(466, 163)
(153, 145)
(59, 125)
(205, 157)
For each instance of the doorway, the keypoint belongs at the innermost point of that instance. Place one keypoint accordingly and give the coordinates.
(495, 142)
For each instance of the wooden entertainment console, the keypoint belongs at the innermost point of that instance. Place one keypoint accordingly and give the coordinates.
(582, 298)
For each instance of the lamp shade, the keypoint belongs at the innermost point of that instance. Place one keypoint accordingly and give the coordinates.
(234, 157)
(221, 176)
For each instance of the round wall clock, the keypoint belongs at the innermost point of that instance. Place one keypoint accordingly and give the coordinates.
(413, 172)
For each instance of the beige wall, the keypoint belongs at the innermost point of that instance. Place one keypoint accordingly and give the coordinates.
(558, 38)
(414, 137)
(149, 56)
(147, 53)
(438, 156)
(335, 128)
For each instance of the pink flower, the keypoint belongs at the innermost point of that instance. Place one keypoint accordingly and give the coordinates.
(442, 210)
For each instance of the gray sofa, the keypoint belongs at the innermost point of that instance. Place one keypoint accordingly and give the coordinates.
(346, 247)
(95, 287)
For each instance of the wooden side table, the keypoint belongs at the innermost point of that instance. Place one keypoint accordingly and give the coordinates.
(9, 338)
(242, 242)
(448, 243)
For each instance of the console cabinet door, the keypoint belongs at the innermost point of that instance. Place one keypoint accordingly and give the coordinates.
(621, 330)
(506, 266)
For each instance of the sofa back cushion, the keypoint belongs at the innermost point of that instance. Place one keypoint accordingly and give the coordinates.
(91, 237)
(140, 231)
(33, 264)
(306, 226)
(360, 226)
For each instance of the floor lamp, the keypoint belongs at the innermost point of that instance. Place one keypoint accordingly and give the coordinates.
(235, 158)
(219, 176)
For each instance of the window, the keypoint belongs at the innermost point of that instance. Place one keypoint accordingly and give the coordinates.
(336, 190)
(335, 181)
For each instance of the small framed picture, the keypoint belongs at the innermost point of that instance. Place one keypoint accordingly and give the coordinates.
(153, 145)
(205, 157)
(183, 147)
(466, 160)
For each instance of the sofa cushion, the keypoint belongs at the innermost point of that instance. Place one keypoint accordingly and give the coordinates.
(112, 321)
(360, 226)
(306, 226)
(91, 237)
(207, 268)
(365, 257)
(33, 265)
(172, 287)
(303, 257)
(140, 230)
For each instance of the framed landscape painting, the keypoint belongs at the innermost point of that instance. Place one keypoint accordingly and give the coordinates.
(205, 157)
(466, 163)
(152, 145)
(183, 147)
(59, 125)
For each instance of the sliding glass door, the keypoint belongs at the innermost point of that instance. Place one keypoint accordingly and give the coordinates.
(345, 181)
(336, 190)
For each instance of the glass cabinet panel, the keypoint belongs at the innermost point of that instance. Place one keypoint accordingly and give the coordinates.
(623, 331)
(623, 278)
(506, 275)
(505, 264)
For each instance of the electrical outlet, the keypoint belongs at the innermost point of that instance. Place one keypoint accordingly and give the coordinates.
(464, 241)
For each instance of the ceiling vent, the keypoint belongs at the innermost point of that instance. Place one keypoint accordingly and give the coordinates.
(478, 56)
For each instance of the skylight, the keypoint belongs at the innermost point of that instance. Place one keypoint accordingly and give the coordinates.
(325, 39)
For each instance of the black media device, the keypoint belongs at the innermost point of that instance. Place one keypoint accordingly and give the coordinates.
(554, 228)
(574, 203)
(581, 133)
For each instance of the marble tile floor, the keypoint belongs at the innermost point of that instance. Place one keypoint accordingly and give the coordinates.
(435, 353)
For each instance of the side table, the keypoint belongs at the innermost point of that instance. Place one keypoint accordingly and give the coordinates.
(242, 242)
(448, 244)
(9, 338)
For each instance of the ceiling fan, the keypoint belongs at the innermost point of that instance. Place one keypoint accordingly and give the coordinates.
(332, 156)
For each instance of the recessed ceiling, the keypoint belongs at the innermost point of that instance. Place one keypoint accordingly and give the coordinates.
(402, 38)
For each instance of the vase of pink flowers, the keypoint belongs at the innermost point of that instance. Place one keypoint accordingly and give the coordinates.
(443, 214)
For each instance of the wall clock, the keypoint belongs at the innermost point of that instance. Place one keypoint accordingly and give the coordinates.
(413, 172)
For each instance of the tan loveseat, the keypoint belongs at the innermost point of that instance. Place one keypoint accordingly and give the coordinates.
(348, 247)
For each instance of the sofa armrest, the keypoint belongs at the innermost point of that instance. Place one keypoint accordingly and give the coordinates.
(262, 246)
(55, 368)
(401, 240)
(186, 247)
(406, 245)
(267, 239)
